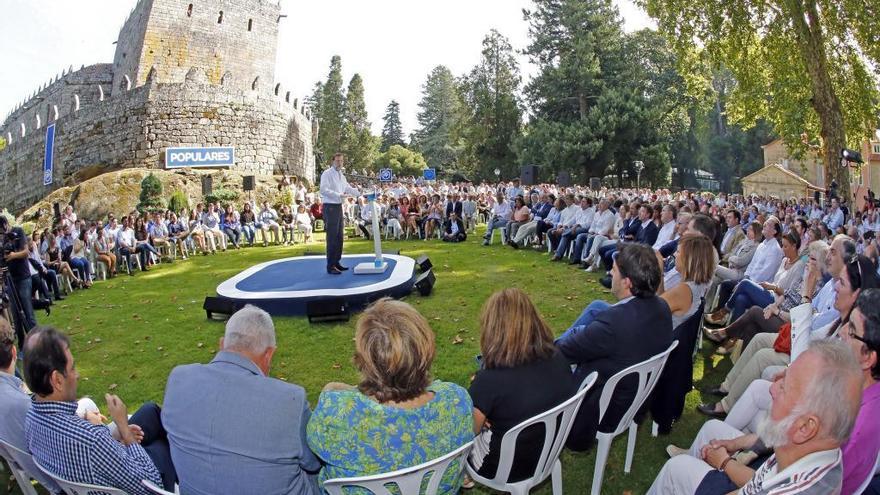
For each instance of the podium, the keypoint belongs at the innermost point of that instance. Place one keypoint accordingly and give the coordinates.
(379, 265)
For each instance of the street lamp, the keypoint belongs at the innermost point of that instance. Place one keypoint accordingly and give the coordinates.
(639, 167)
(497, 173)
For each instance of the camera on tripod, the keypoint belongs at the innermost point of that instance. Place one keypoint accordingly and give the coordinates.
(8, 242)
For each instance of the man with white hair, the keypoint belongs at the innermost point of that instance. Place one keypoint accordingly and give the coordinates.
(814, 408)
(234, 430)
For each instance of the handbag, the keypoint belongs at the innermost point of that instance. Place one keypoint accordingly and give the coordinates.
(782, 344)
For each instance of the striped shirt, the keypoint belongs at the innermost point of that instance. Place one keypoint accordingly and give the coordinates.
(78, 451)
(819, 473)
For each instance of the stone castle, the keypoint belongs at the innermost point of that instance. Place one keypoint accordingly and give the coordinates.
(191, 73)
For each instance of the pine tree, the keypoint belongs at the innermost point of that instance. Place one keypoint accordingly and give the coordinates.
(332, 112)
(494, 111)
(392, 132)
(439, 119)
(358, 143)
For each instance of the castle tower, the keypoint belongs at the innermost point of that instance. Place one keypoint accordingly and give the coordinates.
(233, 38)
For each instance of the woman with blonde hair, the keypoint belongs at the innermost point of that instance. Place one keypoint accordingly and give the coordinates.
(523, 374)
(397, 416)
(695, 261)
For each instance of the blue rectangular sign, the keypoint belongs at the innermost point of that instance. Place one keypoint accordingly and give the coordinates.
(217, 156)
(49, 156)
(430, 174)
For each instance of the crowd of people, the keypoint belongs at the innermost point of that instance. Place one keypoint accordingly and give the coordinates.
(787, 288)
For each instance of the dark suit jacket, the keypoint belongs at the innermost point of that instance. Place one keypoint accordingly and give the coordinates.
(631, 227)
(648, 235)
(454, 206)
(619, 337)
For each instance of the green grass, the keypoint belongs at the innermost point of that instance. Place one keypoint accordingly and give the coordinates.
(129, 332)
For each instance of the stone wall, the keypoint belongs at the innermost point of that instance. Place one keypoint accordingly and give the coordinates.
(184, 74)
(134, 128)
(233, 38)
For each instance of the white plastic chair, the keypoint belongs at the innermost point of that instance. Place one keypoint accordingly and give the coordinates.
(73, 488)
(554, 440)
(153, 488)
(21, 475)
(864, 485)
(409, 480)
(648, 373)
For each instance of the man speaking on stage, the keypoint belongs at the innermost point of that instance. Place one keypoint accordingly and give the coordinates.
(333, 188)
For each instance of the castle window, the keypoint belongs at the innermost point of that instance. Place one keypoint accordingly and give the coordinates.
(277, 89)
(189, 10)
(250, 24)
(220, 19)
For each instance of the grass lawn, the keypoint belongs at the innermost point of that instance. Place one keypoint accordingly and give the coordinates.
(129, 332)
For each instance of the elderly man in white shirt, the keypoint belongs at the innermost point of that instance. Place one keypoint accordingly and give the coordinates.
(602, 225)
(501, 214)
(581, 224)
(268, 221)
(567, 219)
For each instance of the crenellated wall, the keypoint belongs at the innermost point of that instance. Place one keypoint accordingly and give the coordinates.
(216, 88)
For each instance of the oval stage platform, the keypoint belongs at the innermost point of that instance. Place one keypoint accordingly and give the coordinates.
(286, 286)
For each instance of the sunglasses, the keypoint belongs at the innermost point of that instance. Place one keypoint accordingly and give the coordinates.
(871, 345)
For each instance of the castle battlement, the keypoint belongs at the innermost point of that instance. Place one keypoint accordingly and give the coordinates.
(185, 73)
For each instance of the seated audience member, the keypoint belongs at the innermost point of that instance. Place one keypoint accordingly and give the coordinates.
(269, 222)
(197, 234)
(786, 283)
(764, 265)
(178, 231)
(540, 211)
(520, 216)
(646, 233)
(104, 248)
(14, 405)
(818, 289)
(77, 449)
(316, 210)
(287, 225)
(216, 445)
(734, 234)
(638, 327)
(580, 225)
(303, 222)
(501, 214)
(47, 279)
(145, 250)
(601, 227)
(410, 418)
(622, 221)
(454, 230)
(79, 260)
(52, 259)
(248, 223)
(211, 225)
(158, 230)
(695, 262)
(522, 374)
(231, 224)
(734, 263)
(551, 221)
(814, 408)
(764, 351)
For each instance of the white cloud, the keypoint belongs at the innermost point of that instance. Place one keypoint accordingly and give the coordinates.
(393, 44)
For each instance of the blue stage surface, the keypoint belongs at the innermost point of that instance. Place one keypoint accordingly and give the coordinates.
(285, 286)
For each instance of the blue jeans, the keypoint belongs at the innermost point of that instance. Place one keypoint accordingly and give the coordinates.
(746, 295)
(142, 251)
(587, 316)
(605, 254)
(249, 232)
(24, 289)
(84, 267)
(496, 223)
(569, 235)
(584, 240)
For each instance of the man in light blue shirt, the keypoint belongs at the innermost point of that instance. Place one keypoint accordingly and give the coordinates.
(834, 218)
(234, 430)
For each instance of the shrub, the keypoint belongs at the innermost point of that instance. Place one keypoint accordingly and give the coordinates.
(222, 196)
(151, 194)
(178, 201)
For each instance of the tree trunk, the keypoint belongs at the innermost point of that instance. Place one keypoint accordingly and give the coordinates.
(811, 43)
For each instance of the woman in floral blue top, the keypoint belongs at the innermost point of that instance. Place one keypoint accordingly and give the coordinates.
(396, 417)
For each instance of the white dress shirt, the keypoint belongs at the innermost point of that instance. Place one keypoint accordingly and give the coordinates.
(833, 219)
(766, 261)
(502, 210)
(602, 223)
(666, 234)
(125, 238)
(585, 217)
(334, 186)
(569, 216)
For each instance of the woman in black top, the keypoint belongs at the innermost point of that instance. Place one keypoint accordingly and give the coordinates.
(522, 375)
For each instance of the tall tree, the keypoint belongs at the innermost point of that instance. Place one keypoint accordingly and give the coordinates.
(802, 64)
(494, 113)
(358, 143)
(439, 118)
(331, 112)
(392, 131)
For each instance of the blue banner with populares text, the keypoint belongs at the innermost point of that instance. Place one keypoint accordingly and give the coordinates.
(217, 156)
(49, 156)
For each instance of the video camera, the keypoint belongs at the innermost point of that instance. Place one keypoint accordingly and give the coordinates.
(8, 242)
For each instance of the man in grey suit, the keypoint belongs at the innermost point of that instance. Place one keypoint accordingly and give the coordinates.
(234, 430)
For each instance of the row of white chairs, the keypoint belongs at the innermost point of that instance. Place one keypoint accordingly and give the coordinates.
(557, 425)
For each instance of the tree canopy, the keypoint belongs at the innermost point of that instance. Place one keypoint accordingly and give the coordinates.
(802, 64)
(402, 161)
(439, 117)
(392, 131)
(358, 143)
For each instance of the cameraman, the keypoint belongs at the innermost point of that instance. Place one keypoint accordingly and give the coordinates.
(15, 254)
